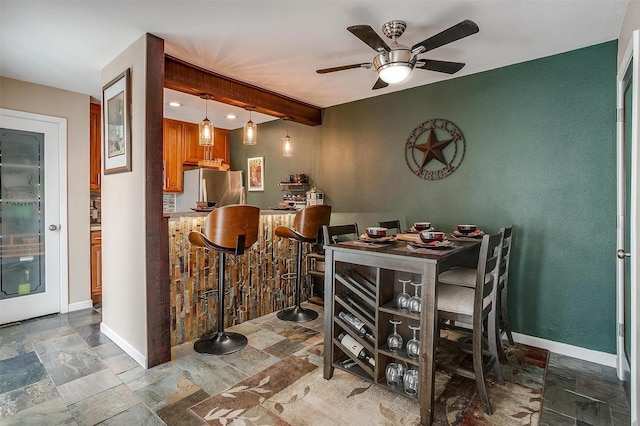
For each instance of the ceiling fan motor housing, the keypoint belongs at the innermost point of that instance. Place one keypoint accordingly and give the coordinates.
(399, 56)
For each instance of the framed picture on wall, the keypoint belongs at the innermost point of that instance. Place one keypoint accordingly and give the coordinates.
(116, 110)
(255, 174)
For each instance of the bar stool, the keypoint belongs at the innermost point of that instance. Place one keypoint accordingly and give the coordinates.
(306, 227)
(227, 230)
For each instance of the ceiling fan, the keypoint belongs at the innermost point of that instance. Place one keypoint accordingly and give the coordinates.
(395, 62)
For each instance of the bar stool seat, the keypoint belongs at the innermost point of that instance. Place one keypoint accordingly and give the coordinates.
(227, 230)
(306, 228)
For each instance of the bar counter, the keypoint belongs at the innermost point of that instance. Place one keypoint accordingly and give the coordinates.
(254, 286)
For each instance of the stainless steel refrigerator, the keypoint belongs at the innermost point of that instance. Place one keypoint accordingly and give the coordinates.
(223, 188)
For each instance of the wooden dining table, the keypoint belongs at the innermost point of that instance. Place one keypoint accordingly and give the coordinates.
(385, 261)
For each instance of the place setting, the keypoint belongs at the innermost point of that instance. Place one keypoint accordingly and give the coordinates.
(376, 235)
(467, 233)
(418, 227)
(204, 206)
(431, 240)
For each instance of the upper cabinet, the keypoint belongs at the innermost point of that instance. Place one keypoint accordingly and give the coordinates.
(181, 148)
(172, 155)
(95, 146)
(194, 153)
(221, 145)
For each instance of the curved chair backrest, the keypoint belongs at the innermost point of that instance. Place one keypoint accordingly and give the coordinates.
(391, 224)
(223, 225)
(310, 219)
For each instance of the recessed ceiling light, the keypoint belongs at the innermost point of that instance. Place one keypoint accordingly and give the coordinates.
(175, 104)
(231, 116)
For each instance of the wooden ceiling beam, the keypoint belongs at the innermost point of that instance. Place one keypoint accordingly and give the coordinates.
(188, 78)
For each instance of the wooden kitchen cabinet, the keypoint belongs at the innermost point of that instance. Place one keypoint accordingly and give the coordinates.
(221, 145)
(193, 152)
(181, 147)
(96, 266)
(95, 146)
(172, 155)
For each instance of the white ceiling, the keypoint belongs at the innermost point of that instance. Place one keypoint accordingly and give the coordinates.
(278, 45)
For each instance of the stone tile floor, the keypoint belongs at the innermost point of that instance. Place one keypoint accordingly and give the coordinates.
(60, 370)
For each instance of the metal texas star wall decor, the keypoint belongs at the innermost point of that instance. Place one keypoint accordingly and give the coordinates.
(420, 154)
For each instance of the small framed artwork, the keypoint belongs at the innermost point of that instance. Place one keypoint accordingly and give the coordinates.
(255, 175)
(116, 109)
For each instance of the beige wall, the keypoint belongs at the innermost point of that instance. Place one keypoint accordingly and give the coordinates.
(34, 98)
(631, 23)
(124, 314)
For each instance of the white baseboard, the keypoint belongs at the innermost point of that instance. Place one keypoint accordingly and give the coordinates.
(124, 345)
(78, 306)
(602, 358)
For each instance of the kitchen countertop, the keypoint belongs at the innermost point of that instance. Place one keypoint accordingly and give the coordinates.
(172, 215)
(95, 227)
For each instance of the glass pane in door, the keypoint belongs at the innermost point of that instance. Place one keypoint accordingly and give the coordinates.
(21, 213)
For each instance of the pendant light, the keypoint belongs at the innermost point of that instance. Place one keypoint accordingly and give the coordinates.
(287, 145)
(250, 130)
(206, 126)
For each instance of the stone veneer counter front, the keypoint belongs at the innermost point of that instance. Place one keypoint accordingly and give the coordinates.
(253, 286)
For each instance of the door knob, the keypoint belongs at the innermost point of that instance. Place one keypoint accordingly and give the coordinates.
(621, 254)
(52, 227)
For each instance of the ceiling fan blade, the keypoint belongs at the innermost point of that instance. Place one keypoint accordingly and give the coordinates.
(369, 36)
(440, 66)
(458, 31)
(344, 67)
(380, 84)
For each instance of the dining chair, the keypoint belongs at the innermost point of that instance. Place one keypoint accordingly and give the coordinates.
(467, 277)
(336, 233)
(391, 224)
(230, 229)
(473, 305)
(503, 311)
(307, 226)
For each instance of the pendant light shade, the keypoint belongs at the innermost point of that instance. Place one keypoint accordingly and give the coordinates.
(250, 131)
(206, 126)
(287, 145)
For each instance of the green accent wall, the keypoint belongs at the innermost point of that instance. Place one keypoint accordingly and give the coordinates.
(540, 154)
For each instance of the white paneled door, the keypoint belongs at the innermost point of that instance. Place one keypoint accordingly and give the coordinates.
(32, 200)
(628, 297)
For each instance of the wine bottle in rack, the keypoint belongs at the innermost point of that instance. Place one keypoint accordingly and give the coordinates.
(355, 348)
(357, 325)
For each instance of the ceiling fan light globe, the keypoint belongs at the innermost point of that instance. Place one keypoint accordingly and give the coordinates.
(394, 66)
(394, 73)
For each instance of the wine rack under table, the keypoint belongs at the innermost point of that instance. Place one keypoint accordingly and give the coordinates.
(362, 283)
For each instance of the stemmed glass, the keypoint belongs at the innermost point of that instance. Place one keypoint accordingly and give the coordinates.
(394, 373)
(395, 341)
(413, 345)
(414, 302)
(402, 299)
(410, 381)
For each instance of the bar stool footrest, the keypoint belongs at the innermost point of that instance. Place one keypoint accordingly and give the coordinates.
(220, 343)
(297, 314)
(288, 276)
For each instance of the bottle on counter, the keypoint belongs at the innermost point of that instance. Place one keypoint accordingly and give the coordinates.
(357, 325)
(355, 348)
